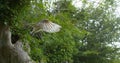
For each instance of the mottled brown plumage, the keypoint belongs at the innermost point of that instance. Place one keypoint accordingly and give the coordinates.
(47, 26)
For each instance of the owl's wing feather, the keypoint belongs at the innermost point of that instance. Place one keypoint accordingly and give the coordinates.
(51, 27)
(47, 26)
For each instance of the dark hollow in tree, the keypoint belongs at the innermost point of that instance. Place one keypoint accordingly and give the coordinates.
(15, 38)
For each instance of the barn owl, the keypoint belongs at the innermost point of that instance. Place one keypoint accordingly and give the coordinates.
(47, 26)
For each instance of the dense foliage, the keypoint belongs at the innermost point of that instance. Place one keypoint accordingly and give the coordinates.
(85, 35)
(10, 9)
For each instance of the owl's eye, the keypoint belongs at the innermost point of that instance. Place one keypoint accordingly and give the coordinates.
(46, 26)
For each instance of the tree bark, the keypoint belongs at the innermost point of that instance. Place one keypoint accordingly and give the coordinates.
(8, 52)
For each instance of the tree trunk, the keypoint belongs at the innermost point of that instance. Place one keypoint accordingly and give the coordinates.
(8, 52)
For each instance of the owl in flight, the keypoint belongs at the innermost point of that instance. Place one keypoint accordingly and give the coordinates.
(47, 26)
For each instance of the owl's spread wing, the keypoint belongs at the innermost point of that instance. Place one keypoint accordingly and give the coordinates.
(51, 27)
(47, 26)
